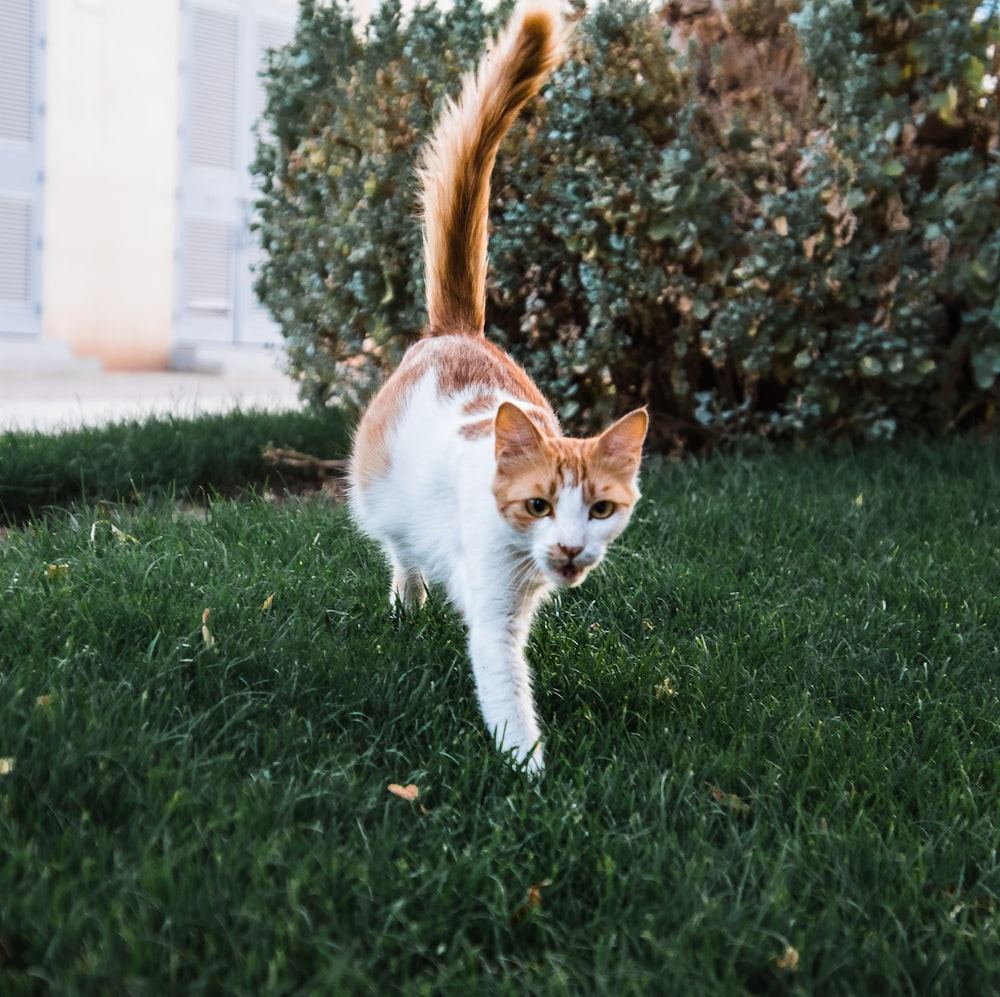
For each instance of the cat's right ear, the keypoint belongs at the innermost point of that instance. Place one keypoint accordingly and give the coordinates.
(516, 437)
(621, 443)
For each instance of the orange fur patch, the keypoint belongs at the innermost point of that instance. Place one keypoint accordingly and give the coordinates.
(370, 459)
(477, 430)
(474, 362)
(460, 363)
(480, 404)
(458, 160)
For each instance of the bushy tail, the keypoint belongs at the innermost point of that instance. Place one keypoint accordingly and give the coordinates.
(456, 166)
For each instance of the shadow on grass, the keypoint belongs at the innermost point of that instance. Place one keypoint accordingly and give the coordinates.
(140, 459)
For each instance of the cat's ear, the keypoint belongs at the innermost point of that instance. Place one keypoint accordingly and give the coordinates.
(517, 437)
(621, 443)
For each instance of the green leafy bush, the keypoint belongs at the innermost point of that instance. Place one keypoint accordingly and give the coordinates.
(781, 219)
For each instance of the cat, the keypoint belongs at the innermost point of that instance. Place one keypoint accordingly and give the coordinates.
(459, 467)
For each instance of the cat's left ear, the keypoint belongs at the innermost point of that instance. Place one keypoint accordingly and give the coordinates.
(621, 443)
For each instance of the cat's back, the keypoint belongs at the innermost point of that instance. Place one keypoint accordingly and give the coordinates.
(440, 400)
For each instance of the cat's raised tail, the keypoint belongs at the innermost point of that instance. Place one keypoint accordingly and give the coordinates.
(457, 163)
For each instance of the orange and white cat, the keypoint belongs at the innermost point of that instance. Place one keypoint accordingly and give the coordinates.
(459, 467)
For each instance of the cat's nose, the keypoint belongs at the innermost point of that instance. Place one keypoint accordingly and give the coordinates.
(570, 552)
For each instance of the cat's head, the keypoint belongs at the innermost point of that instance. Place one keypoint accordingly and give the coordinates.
(566, 499)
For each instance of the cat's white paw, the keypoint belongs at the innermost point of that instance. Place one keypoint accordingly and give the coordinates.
(525, 755)
(535, 766)
(408, 591)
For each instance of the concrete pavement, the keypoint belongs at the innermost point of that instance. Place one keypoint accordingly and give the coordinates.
(37, 400)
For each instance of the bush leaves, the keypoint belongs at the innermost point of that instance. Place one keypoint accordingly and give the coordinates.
(780, 219)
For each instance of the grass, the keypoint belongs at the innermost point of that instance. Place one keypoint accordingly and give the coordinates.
(773, 750)
(153, 456)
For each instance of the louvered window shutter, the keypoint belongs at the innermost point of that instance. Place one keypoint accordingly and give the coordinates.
(15, 250)
(17, 117)
(209, 266)
(256, 325)
(21, 162)
(208, 171)
(222, 97)
(214, 67)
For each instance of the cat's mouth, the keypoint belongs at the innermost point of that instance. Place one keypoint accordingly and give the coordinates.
(567, 573)
(571, 573)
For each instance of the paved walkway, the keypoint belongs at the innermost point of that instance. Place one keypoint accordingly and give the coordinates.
(49, 402)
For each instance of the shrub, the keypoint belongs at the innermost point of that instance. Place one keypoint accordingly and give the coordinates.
(781, 219)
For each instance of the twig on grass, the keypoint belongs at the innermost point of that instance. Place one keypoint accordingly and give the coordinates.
(298, 461)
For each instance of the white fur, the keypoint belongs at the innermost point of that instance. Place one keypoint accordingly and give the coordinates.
(436, 516)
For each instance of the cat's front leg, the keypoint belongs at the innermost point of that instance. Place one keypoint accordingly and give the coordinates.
(409, 589)
(497, 639)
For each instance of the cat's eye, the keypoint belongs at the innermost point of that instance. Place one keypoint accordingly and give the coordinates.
(538, 507)
(602, 509)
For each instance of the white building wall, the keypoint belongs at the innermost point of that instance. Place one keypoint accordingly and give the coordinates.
(119, 194)
(111, 178)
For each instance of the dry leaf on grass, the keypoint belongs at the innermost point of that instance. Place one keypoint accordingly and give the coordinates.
(964, 901)
(788, 960)
(6, 766)
(533, 899)
(410, 792)
(208, 638)
(729, 800)
(120, 535)
(267, 603)
(55, 572)
(667, 689)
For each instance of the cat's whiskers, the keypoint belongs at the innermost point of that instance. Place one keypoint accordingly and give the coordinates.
(527, 577)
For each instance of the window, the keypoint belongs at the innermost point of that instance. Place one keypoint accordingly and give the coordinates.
(224, 46)
(21, 166)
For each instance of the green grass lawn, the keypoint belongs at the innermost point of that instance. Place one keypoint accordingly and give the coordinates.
(153, 456)
(773, 748)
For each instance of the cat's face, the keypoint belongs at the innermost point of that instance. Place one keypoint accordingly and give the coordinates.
(566, 499)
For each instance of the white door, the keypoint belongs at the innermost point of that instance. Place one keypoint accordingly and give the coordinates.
(21, 166)
(224, 45)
